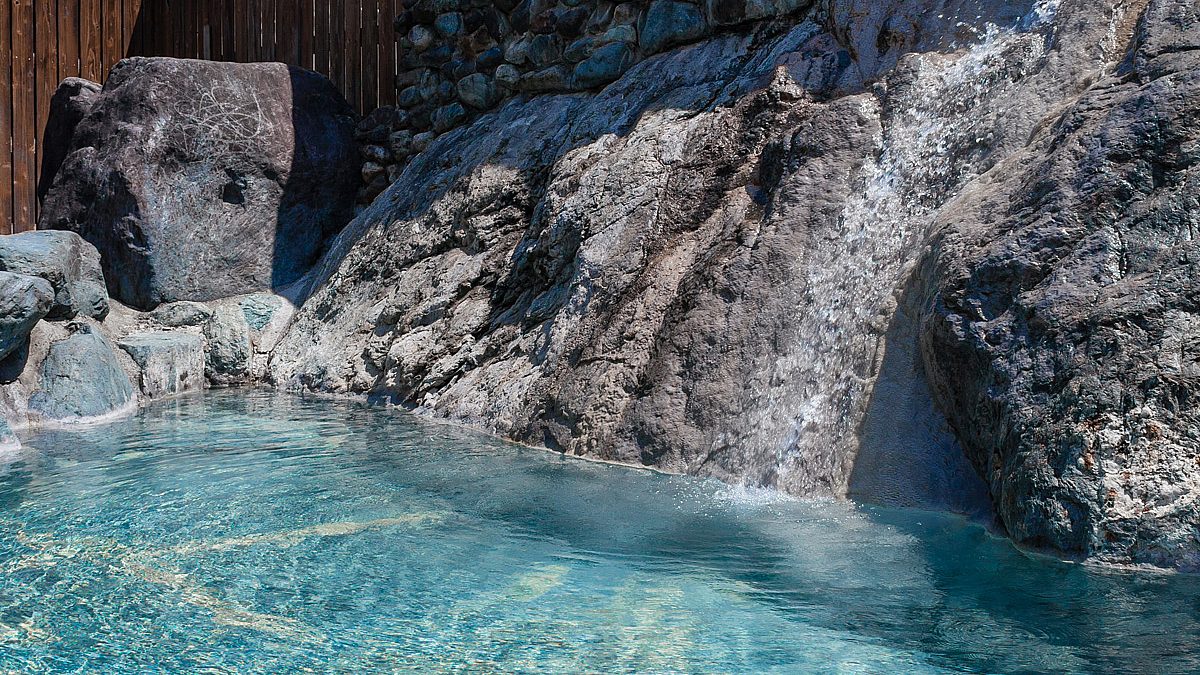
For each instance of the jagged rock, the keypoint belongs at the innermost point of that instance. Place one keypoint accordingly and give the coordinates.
(168, 362)
(24, 300)
(1062, 337)
(228, 347)
(182, 313)
(178, 158)
(70, 264)
(70, 103)
(81, 379)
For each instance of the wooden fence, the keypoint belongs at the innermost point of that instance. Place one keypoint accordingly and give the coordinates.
(44, 41)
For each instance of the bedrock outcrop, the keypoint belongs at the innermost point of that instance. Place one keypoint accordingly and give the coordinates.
(1063, 331)
(698, 268)
(199, 180)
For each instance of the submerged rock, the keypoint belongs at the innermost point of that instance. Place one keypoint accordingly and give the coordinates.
(24, 300)
(70, 264)
(81, 379)
(168, 362)
(199, 180)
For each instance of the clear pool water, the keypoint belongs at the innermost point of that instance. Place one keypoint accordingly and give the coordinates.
(250, 532)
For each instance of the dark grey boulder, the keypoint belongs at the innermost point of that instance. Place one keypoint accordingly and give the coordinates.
(605, 65)
(24, 300)
(670, 22)
(71, 102)
(199, 180)
(81, 379)
(70, 264)
(228, 349)
(169, 362)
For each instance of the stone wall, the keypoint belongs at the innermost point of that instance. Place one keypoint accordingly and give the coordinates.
(460, 58)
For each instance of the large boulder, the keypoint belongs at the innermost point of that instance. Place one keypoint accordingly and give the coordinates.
(71, 102)
(81, 379)
(24, 300)
(199, 180)
(70, 264)
(1063, 332)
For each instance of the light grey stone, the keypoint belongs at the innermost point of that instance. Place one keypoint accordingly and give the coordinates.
(168, 362)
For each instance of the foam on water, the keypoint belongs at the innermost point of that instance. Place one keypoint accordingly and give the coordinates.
(244, 532)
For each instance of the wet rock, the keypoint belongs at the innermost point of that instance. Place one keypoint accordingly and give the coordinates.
(168, 362)
(24, 300)
(81, 379)
(177, 158)
(228, 347)
(70, 264)
(70, 103)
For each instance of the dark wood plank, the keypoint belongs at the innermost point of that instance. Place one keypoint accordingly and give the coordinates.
(387, 52)
(113, 46)
(286, 39)
(320, 31)
(90, 63)
(129, 17)
(6, 124)
(62, 19)
(352, 62)
(304, 29)
(369, 69)
(24, 116)
(336, 48)
(241, 30)
(47, 49)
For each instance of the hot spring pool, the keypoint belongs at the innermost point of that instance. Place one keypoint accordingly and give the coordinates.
(252, 532)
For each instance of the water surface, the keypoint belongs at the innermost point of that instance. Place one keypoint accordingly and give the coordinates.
(252, 532)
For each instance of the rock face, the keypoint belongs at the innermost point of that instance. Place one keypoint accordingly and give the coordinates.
(1063, 336)
(722, 264)
(24, 300)
(81, 379)
(71, 102)
(70, 264)
(227, 359)
(177, 159)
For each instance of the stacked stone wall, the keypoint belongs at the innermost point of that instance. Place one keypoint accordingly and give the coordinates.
(461, 58)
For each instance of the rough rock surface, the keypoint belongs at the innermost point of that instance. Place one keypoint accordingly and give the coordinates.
(71, 102)
(228, 349)
(1063, 338)
(178, 158)
(168, 362)
(715, 266)
(81, 379)
(70, 264)
(24, 300)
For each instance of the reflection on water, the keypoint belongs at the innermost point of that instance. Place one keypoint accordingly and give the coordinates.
(250, 532)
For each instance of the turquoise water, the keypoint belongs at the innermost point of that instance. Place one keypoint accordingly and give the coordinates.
(250, 532)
